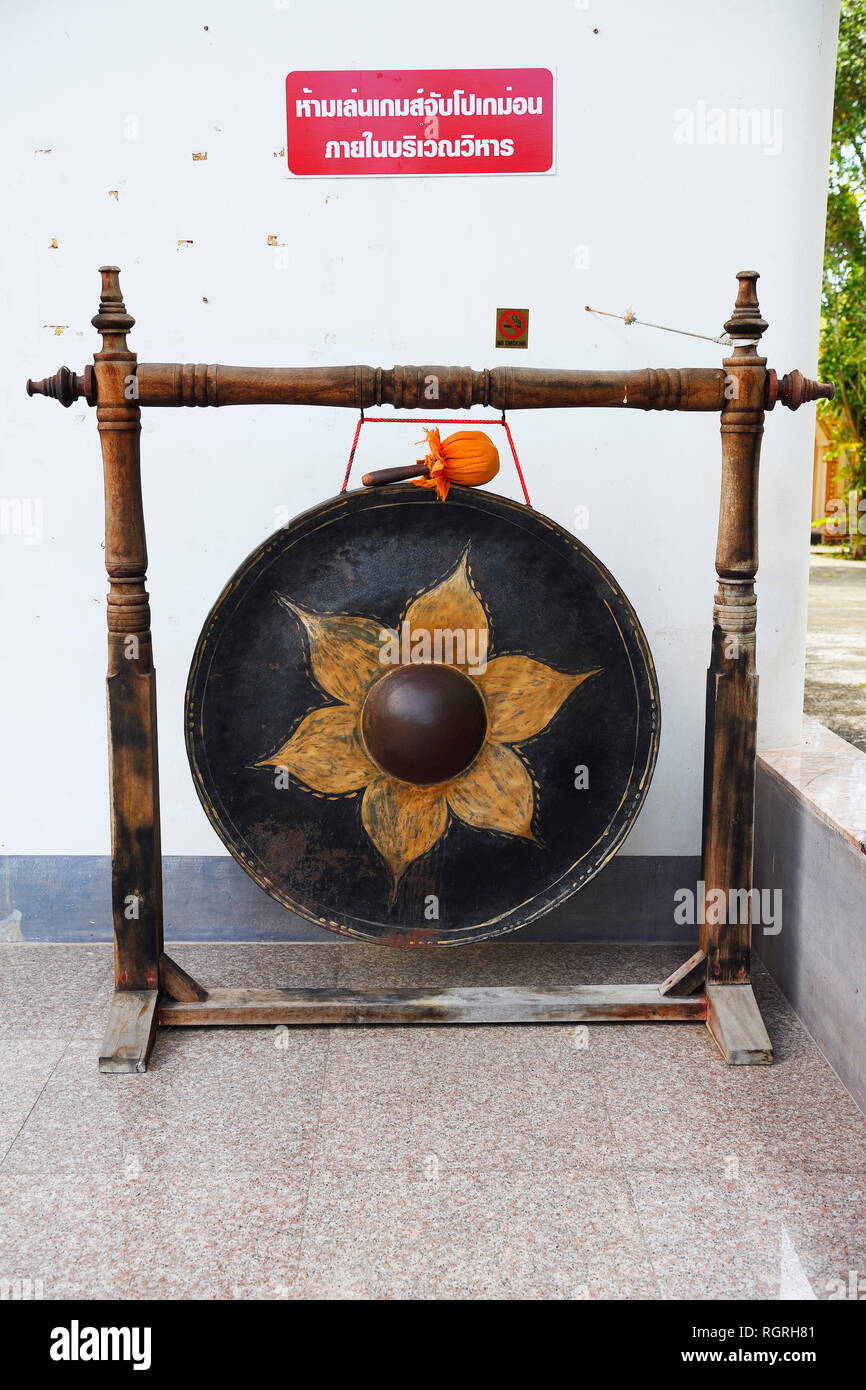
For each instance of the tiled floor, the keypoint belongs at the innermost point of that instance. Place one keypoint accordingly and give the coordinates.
(617, 1161)
(836, 647)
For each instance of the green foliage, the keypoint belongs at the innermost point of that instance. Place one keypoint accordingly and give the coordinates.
(843, 307)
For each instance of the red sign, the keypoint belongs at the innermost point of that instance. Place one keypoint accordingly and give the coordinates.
(511, 323)
(442, 121)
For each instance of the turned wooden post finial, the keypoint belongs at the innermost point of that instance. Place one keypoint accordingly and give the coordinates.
(112, 318)
(794, 389)
(745, 326)
(64, 386)
(746, 320)
(113, 322)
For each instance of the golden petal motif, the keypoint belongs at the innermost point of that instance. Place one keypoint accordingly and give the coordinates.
(325, 752)
(403, 822)
(523, 695)
(451, 606)
(344, 652)
(495, 794)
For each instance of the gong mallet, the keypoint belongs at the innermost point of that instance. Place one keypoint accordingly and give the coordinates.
(468, 457)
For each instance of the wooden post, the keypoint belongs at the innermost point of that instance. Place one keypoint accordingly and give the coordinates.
(136, 865)
(732, 698)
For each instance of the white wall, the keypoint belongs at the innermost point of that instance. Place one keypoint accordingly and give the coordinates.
(383, 271)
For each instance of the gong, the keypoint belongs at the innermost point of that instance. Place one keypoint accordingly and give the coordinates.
(422, 722)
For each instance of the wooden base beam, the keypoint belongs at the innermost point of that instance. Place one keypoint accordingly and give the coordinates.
(731, 1012)
(512, 1004)
(130, 1033)
(735, 1022)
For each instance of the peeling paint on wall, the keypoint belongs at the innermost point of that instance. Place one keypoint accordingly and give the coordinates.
(200, 156)
(185, 243)
(54, 246)
(57, 327)
(112, 193)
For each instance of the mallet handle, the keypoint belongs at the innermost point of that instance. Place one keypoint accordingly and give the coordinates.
(381, 476)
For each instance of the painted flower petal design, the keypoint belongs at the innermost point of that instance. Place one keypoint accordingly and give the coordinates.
(452, 606)
(523, 695)
(344, 651)
(326, 753)
(403, 822)
(495, 794)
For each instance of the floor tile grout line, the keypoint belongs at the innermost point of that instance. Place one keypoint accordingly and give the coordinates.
(66, 1046)
(619, 1172)
(626, 1180)
(759, 1178)
(328, 1032)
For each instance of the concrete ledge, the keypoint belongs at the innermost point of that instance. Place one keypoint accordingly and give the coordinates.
(810, 804)
(209, 898)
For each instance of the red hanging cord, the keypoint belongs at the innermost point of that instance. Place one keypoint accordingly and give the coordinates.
(432, 420)
(352, 454)
(507, 429)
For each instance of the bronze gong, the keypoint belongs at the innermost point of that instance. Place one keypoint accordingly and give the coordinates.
(422, 722)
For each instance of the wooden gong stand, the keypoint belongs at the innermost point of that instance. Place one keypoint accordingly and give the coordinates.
(150, 988)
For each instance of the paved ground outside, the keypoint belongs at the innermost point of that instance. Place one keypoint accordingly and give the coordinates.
(554, 1162)
(836, 647)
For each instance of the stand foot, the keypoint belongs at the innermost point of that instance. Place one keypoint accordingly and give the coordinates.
(131, 1029)
(735, 1022)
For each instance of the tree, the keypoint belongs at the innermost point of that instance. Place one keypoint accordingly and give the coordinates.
(843, 305)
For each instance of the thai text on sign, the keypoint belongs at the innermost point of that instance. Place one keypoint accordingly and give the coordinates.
(442, 121)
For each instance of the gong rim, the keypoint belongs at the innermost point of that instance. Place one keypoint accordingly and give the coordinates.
(544, 531)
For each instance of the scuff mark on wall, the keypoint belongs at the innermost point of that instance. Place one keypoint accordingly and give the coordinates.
(48, 151)
(280, 154)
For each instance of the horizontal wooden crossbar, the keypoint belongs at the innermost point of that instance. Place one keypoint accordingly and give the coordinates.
(408, 388)
(505, 1004)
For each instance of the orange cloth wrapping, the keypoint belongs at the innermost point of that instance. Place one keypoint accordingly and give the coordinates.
(467, 457)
